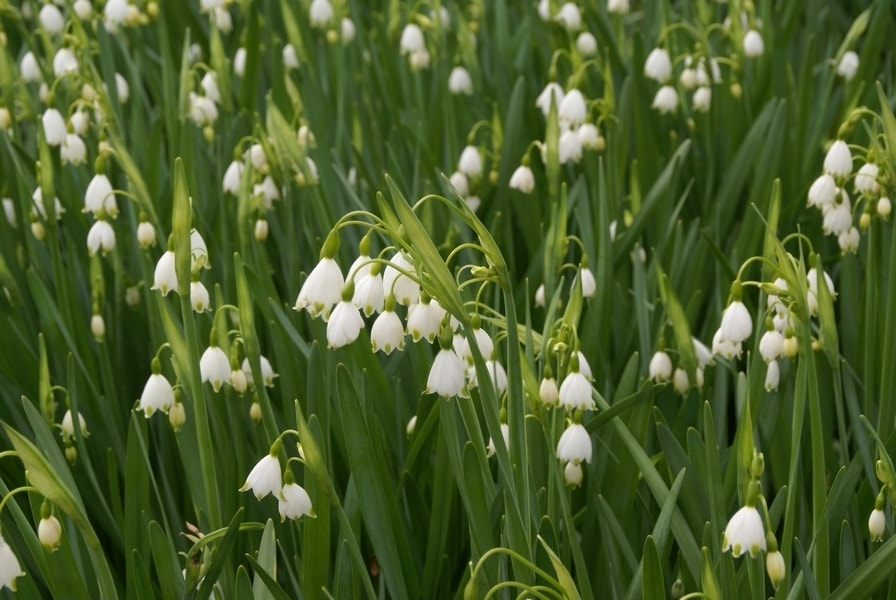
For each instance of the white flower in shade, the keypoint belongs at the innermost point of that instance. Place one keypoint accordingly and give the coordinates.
(505, 434)
(753, 44)
(866, 179)
(666, 100)
(198, 251)
(590, 137)
(64, 61)
(83, 9)
(239, 62)
(884, 207)
(838, 217)
(569, 147)
(165, 277)
(586, 44)
(688, 77)
(848, 65)
(446, 377)
(344, 325)
(575, 392)
(724, 347)
(101, 237)
(38, 209)
(548, 392)
(619, 7)
(411, 427)
(214, 367)
(369, 294)
(405, 289)
(838, 160)
(98, 327)
(265, 477)
(460, 183)
(412, 39)
(704, 354)
(290, 57)
(574, 445)
(812, 298)
(267, 371)
(209, 84)
(573, 474)
(67, 426)
(419, 60)
(849, 240)
(775, 568)
(473, 202)
(199, 297)
(822, 192)
(877, 525)
(551, 92)
(322, 289)
(320, 13)
(73, 150)
(157, 395)
(772, 376)
(424, 320)
(54, 126)
(680, 382)
(539, 295)
(9, 566)
(584, 366)
(122, 88)
(523, 179)
(293, 502)
(496, 373)
(29, 69)
(460, 82)
(569, 17)
(702, 99)
(771, 345)
(658, 65)
(146, 234)
(737, 325)
(470, 162)
(387, 332)
(348, 30)
(9, 211)
(660, 367)
(49, 532)
(773, 301)
(483, 341)
(223, 19)
(207, 6)
(114, 14)
(51, 19)
(202, 110)
(544, 10)
(744, 533)
(233, 177)
(589, 284)
(99, 197)
(572, 109)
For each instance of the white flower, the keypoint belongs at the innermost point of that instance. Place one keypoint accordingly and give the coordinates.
(209, 85)
(724, 347)
(569, 147)
(199, 297)
(584, 367)
(322, 289)
(233, 177)
(114, 14)
(320, 13)
(866, 179)
(548, 392)
(658, 65)
(849, 240)
(238, 381)
(29, 69)
(573, 474)
(405, 289)
(539, 295)
(736, 322)
(207, 6)
(848, 65)
(838, 217)
(680, 382)
(146, 234)
(505, 434)
(198, 251)
(772, 376)
(460, 183)
(590, 136)
(619, 7)
(83, 9)
(572, 109)
(99, 197)
(369, 294)
(666, 100)
(771, 345)
(290, 57)
(884, 207)
(293, 502)
(73, 150)
(446, 377)
(822, 192)
(9, 211)
(165, 277)
(812, 298)
(702, 98)
(49, 532)
(775, 568)
(411, 426)
(202, 110)
(483, 341)
(688, 77)
(54, 126)
(387, 332)
(264, 478)
(347, 29)
(496, 374)
(460, 82)
(744, 533)
(660, 367)
(9, 566)
(67, 426)
(589, 284)
(470, 162)
(38, 209)
(157, 395)
(575, 392)
(418, 59)
(64, 61)
(267, 371)
(704, 354)
(80, 121)
(551, 92)
(586, 44)
(753, 44)
(574, 445)
(569, 17)
(877, 525)
(523, 179)
(424, 320)
(51, 18)
(239, 62)
(100, 237)
(344, 325)
(412, 39)
(838, 160)
(122, 89)
(214, 367)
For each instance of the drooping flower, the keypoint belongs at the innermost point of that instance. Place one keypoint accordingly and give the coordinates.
(322, 289)
(157, 393)
(67, 426)
(877, 525)
(344, 324)
(574, 445)
(553, 91)
(405, 289)
(523, 179)
(460, 82)
(233, 177)
(586, 44)
(569, 16)
(572, 109)
(590, 137)
(470, 162)
(744, 533)
(101, 237)
(9, 566)
(753, 45)
(496, 373)
(573, 474)
(737, 325)
(51, 19)
(866, 179)
(775, 567)
(165, 277)
(483, 341)
(320, 13)
(446, 377)
(848, 65)
(569, 147)
(64, 62)
(214, 367)
(548, 392)
(666, 100)
(49, 530)
(702, 98)
(293, 501)
(771, 345)
(658, 65)
(822, 192)
(265, 476)
(505, 435)
(660, 367)
(575, 392)
(267, 371)
(772, 376)
(387, 333)
(99, 197)
(412, 39)
(838, 160)
(424, 319)
(54, 126)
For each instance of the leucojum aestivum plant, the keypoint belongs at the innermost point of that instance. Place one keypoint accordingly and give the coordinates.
(485, 299)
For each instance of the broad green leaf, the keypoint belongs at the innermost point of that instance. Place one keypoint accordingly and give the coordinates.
(654, 587)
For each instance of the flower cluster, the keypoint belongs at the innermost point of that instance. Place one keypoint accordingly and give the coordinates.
(165, 275)
(266, 478)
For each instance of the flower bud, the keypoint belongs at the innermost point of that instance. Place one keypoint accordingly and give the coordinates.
(49, 530)
(98, 327)
(255, 412)
(177, 416)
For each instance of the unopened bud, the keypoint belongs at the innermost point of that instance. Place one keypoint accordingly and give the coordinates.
(177, 416)
(98, 327)
(255, 412)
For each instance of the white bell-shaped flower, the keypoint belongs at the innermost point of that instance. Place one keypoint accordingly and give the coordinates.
(572, 109)
(67, 426)
(838, 160)
(320, 13)
(772, 376)
(101, 237)
(51, 19)
(293, 501)
(460, 82)
(848, 65)
(199, 297)
(658, 65)
(73, 151)
(424, 320)
(586, 44)
(405, 289)
(10, 568)
(54, 126)
(590, 137)
(157, 395)
(666, 100)
(265, 477)
(412, 39)
(574, 445)
(737, 324)
(115, 13)
(753, 45)
(29, 68)
(569, 16)
(523, 179)
(771, 345)
(660, 367)
(446, 376)
(552, 92)
(387, 332)
(575, 392)
(490, 450)
(744, 533)
(470, 162)
(822, 192)
(569, 147)
(267, 371)
(344, 325)
(866, 179)
(165, 276)
(233, 176)
(322, 289)
(702, 98)
(214, 367)
(64, 62)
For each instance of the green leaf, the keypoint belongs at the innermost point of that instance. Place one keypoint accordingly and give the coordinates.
(167, 565)
(567, 585)
(652, 572)
(266, 563)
